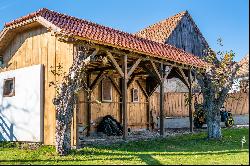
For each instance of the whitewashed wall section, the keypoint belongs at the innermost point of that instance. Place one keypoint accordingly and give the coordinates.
(21, 116)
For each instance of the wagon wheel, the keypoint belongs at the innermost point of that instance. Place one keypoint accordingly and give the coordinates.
(229, 122)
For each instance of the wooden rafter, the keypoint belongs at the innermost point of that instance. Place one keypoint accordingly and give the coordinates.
(134, 67)
(110, 56)
(150, 72)
(101, 69)
(97, 80)
(155, 70)
(151, 92)
(142, 88)
(115, 85)
(183, 76)
(95, 52)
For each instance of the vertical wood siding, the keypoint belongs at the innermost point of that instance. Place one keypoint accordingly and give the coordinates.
(38, 46)
(185, 37)
(174, 104)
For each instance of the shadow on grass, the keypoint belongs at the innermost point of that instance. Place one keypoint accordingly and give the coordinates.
(201, 145)
(146, 150)
(146, 158)
(60, 160)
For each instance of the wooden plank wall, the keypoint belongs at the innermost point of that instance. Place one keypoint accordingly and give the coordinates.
(137, 112)
(38, 46)
(186, 37)
(238, 103)
(174, 104)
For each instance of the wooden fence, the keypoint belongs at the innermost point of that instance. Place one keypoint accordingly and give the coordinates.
(174, 104)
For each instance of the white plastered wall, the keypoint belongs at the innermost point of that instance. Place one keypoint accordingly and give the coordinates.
(21, 116)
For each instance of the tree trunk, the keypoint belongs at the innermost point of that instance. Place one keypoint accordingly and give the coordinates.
(213, 119)
(63, 137)
(64, 114)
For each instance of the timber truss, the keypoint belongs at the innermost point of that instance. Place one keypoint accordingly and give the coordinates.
(128, 66)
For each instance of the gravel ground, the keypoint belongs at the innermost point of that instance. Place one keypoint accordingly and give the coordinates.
(102, 139)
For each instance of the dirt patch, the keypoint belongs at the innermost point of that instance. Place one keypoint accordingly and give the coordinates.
(102, 139)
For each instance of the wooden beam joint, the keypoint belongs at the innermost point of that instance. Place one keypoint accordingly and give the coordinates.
(113, 61)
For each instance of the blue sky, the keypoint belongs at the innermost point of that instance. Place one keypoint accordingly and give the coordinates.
(226, 19)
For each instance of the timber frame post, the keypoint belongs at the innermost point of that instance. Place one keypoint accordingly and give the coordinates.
(149, 113)
(190, 101)
(161, 76)
(188, 83)
(124, 97)
(125, 75)
(89, 106)
(162, 131)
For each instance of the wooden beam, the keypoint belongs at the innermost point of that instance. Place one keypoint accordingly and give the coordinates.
(151, 93)
(94, 52)
(131, 80)
(182, 79)
(109, 55)
(144, 56)
(155, 70)
(150, 72)
(148, 113)
(100, 69)
(134, 67)
(120, 99)
(143, 90)
(165, 61)
(183, 76)
(124, 97)
(162, 102)
(97, 80)
(190, 100)
(89, 106)
(115, 85)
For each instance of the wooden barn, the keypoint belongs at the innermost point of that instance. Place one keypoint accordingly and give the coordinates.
(34, 45)
(180, 31)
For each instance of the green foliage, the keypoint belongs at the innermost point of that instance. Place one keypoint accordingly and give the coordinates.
(185, 149)
(221, 71)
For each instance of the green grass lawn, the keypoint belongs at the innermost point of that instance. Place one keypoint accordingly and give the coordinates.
(185, 149)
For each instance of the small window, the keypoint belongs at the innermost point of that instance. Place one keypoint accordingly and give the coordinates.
(106, 90)
(135, 95)
(9, 87)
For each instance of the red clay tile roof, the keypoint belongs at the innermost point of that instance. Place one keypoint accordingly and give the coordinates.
(162, 30)
(91, 31)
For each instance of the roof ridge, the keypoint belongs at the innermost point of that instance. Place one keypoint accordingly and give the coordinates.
(117, 30)
(93, 31)
(20, 19)
(183, 13)
(42, 11)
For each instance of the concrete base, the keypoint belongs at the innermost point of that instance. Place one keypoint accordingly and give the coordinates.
(175, 122)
